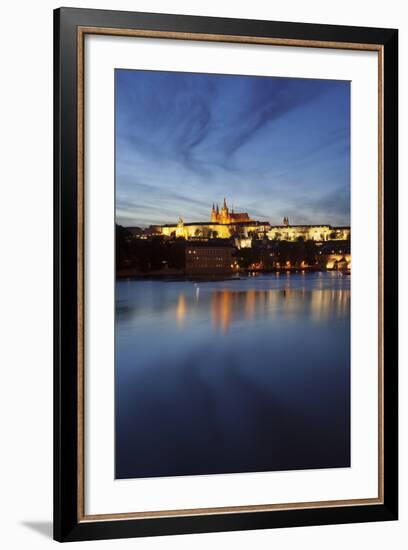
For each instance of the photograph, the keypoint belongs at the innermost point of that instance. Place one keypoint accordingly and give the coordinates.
(220, 362)
(232, 274)
(201, 281)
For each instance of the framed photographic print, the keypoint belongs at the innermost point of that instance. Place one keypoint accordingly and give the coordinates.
(225, 274)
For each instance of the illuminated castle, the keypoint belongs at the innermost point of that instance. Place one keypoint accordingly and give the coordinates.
(226, 224)
(225, 216)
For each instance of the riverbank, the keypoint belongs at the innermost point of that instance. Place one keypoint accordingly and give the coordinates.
(180, 275)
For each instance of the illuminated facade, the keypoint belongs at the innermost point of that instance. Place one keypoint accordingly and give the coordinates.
(288, 232)
(225, 223)
(227, 216)
(335, 256)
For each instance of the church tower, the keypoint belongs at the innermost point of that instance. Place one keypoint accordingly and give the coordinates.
(224, 213)
(214, 215)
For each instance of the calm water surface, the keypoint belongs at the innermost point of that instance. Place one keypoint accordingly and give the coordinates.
(232, 376)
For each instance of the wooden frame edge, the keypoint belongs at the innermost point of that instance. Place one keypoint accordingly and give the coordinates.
(193, 512)
(81, 32)
(197, 36)
(81, 274)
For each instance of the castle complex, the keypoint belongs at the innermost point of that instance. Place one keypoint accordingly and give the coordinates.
(225, 224)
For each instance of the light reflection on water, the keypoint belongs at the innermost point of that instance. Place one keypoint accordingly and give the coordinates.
(229, 376)
(229, 306)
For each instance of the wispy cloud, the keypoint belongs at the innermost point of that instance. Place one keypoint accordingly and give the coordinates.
(185, 140)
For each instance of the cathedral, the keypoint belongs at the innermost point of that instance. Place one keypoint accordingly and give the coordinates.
(225, 215)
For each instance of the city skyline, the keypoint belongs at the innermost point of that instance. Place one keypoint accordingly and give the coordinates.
(274, 147)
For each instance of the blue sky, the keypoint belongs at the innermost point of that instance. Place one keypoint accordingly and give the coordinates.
(273, 147)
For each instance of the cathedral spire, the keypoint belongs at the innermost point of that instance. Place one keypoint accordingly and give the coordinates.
(214, 214)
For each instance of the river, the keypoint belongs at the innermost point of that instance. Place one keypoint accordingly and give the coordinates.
(232, 376)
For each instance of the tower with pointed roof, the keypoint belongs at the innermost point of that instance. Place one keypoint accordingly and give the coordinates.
(214, 215)
(224, 213)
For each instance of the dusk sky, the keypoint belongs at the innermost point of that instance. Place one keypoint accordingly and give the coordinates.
(273, 147)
